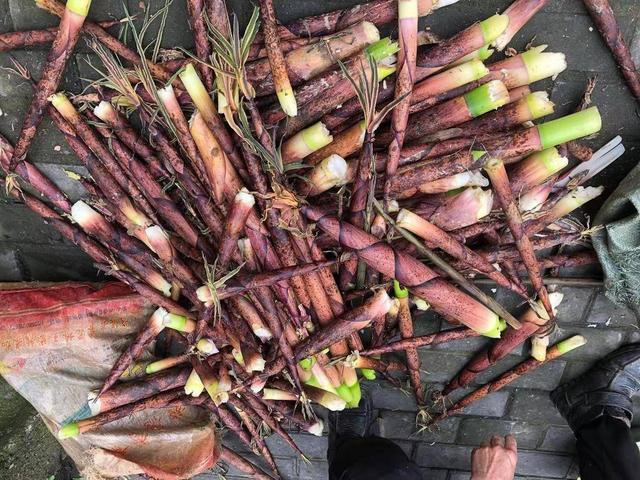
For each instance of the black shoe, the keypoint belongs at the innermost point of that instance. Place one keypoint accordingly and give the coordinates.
(350, 423)
(353, 422)
(606, 389)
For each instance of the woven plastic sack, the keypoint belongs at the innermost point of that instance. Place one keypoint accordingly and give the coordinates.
(618, 243)
(57, 344)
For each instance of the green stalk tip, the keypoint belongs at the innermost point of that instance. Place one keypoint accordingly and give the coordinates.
(356, 393)
(399, 290)
(70, 430)
(316, 136)
(495, 330)
(344, 392)
(478, 154)
(382, 49)
(571, 343)
(487, 97)
(307, 363)
(288, 102)
(485, 52)
(368, 373)
(79, 7)
(571, 127)
(493, 27)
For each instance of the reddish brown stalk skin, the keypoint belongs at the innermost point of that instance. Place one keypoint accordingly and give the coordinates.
(30, 174)
(259, 407)
(422, 341)
(405, 325)
(259, 51)
(79, 127)
(432, 58)
(505, 118)
(233, 228)
(61, 51)
(160, 400)
(96, 252)
(242, 284)
(218, 16)
(310, 93)
(465, 233)
(272, 43)
(380, 365)
(327, 52)
(405, 78)
(358, 204)
(579, 151)
(340, 328)
(195, 8)
(379, 12)
(29, 38)
(605, 20)
(409, 271)
(508, 251)
(441, 239)
(155, 193)
(148, 386)
(116, 46)
(232, 458)
(483, 360)
(138, 144)
(502, 381)
(148, 333)
(500, 183)
(566, 261)
(229, 420)
(409, 178)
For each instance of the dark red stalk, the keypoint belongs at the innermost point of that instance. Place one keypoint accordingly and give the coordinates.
(235, 460)
(422, 341)
(405, 325)
(500, 183)
(605, 20)
(116, 46)
(195, 8)
(68, 33)
(132, 391)
(409, 271)
(29, 38)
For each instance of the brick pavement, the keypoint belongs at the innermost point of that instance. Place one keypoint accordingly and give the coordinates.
(31, 251)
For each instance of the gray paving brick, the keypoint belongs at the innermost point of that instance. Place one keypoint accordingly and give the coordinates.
(574, 369)
(546, 377)
(9, 267)
(605, 312)
(474, 431)
(459, 475)
(493, 405)
(434, 474)
(402, 425)
(574, 471)
(6, 23)
(19, 224)
(438, 366)
(313, 470)
(57, 174)
(312, 446)
(573, 305)
(457, 457)
(534, 406)
(388, 397)
(559, 439)
(543, 464)
(426, 323)
(56, 263)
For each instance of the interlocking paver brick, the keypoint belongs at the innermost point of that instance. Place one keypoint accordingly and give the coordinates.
(600, 341)
(312, 470)
(18, 224)
(9, 267)
(402, 425)
(543, 464)
(605, 312)
(559, 439)
(312, 446)
(493, 405)
(455, 457)
(534, 406)
(574, 303)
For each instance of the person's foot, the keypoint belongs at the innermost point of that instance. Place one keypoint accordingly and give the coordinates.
(606, 389)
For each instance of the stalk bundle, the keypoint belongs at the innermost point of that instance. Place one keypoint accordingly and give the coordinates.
(248, 225)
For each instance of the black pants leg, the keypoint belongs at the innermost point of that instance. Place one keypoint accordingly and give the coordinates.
(370, 458)
(606, 451)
